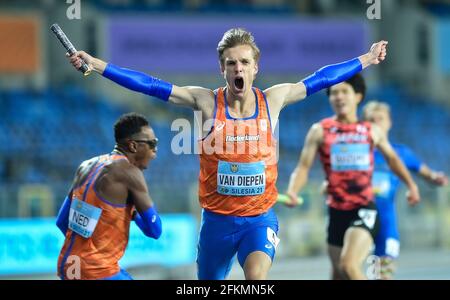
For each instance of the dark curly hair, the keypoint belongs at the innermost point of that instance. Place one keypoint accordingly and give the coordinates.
(127, 125)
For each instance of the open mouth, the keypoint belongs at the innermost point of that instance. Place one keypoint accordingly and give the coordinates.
(239, 83)
(340, 105)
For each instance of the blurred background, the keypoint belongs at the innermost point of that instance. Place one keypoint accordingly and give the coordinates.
(52, 118)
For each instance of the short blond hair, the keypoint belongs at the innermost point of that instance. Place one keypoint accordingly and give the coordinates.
(236, 37)
(373, 106)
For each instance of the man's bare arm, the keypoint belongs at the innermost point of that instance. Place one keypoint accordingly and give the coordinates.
(147, 218)
(395, 163)
(299, 176)
(133, 178)
(434, 177)
(194, 97)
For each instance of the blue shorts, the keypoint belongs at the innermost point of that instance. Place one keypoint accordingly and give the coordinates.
(387, 242)
(221, 237)
(121, 275)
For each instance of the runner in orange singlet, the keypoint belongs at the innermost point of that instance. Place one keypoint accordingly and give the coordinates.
(106, 192)
(238, 159)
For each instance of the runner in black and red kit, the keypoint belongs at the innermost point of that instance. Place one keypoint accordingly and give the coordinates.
(346, 148)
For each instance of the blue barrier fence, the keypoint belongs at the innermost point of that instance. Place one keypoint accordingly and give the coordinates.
(30, 246)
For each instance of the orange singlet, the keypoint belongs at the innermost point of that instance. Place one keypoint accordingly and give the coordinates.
(238, 161)
(98, 254)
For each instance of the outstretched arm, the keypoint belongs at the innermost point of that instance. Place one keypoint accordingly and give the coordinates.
(395, 163)
(299, 176)
(143, 83)
(288, 93)
(414, 164)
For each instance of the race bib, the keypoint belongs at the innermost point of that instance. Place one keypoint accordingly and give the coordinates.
(381, 184)
(83, 218)
(241, 179)
(350, 157)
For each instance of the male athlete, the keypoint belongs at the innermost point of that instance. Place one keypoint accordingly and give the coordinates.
(346, 147)
(95, 216)
(385, 186)
(238, 169)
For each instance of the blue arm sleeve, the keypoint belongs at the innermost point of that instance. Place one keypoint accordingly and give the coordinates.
(412, 162)
(149, 222)
(331, 75)
(62, 220)
(139, 82)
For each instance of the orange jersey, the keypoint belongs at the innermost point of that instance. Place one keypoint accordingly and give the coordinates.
(99, 254)
(238, 163)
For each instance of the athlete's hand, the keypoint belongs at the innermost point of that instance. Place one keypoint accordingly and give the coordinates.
(439, 178)
(92, 62)
(75, 59)
(293, 200)
(413, 195)
(377, 52)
